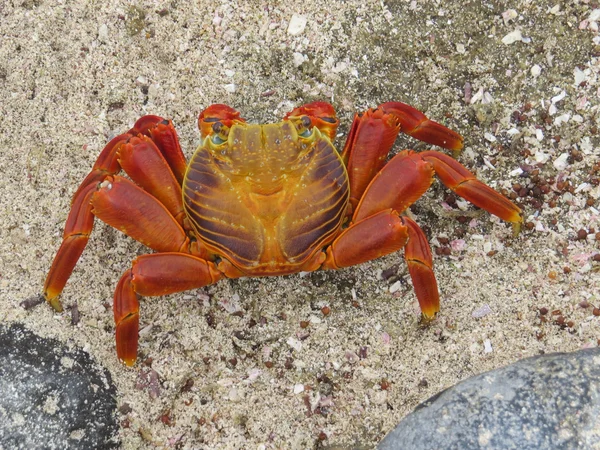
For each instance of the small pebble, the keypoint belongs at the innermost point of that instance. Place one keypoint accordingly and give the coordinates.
(536, 71)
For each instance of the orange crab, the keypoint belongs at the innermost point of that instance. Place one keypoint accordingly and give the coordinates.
(264, 200)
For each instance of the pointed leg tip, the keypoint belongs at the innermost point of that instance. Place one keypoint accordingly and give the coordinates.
(54, 302)
(428, 317)
(516, 227)
(129, 361)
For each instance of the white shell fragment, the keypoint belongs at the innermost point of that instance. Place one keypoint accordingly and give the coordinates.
(559, 97)
(594, 15)
(579, 76)
(482, 311)
(509, 14)
(487, 346)
(297, 25)
(294, 343)
(489, 137)
(560, 163)
(298, 59)
(512, 37)
(103, 33)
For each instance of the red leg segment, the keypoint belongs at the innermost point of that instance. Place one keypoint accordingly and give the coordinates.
(165, 137)
(398, 185)
(417, 254)
(154, 275)
(457, 178)
(75, 237)
(371, 137)
(371, 238)
(381, 234)
(133, 211)
(414, 123)
(141, 159)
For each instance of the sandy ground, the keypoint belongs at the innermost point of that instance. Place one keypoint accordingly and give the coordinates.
(233, 366)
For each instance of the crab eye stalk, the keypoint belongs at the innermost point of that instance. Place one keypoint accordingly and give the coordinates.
(218, 113)
(321, 114)
(303, 125)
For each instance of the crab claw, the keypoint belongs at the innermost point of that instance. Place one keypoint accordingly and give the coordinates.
(224, 114)
(321, 114)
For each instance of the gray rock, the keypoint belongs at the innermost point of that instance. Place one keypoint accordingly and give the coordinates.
(545, 402)
(51, 396)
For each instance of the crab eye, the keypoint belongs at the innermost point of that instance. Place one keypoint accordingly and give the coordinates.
(306, 122)
(217, 127)
(211, 119)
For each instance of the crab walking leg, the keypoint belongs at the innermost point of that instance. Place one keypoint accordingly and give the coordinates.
(80, 222)
(126, 207)
(457, 178)
(106, 164)
(414, 123)
(378, 235)
(75, 237)
(383, 233)
(131, 210)
(154, 275)
(417, 254)
(400, 183)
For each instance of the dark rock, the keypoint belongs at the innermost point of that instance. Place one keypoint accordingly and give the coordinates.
(544, 402)
(52, 397)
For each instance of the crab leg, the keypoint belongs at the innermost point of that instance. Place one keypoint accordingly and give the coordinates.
(141, 159)
(381, 234)
(414, 123)
(147, 171)
(154, 275)
(75, 237)
(165, 137)
(417, 254)
(372, 136)
(457, 178)
(398, 185)
(370, 238)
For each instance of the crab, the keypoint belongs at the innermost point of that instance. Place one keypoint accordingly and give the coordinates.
(264, 200)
